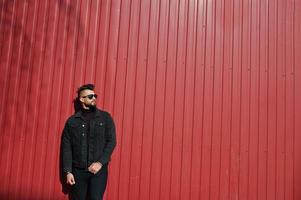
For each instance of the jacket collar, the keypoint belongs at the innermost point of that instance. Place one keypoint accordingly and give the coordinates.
(80, 113)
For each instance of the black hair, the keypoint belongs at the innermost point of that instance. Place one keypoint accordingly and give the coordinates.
(84, 87)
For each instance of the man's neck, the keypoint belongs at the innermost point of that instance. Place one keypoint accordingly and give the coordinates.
(87, 109)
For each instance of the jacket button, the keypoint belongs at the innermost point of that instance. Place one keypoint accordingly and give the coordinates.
(83, 125)
(101, 124)
(83, 134)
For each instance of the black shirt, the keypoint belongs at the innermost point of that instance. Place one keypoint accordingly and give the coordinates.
(87, 115)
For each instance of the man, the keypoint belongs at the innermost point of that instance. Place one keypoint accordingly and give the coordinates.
(88, 141)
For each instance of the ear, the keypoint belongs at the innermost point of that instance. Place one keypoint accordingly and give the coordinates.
(81, 99)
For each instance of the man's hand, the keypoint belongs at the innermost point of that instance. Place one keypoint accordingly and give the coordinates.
(70, 179)
(95, 167)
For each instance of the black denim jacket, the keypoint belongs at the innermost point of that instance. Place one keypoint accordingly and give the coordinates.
(101, 141)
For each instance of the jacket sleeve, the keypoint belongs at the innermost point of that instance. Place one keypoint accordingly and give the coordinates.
(66, 149)
(110, 140)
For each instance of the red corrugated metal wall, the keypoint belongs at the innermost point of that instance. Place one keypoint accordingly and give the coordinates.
(205, 94)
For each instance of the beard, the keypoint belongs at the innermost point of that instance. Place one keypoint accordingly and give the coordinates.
(91, 107)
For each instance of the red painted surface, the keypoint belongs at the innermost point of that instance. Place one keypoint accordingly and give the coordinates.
(205, 94)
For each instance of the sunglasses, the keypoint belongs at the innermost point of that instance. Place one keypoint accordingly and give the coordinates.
(90, 96)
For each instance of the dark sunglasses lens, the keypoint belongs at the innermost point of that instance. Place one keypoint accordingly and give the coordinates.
(90, 96)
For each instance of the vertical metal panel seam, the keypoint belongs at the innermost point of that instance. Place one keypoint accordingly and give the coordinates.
(107, 54)
(44, 126)
(115, 80)
(3, 8)
(240, 98)
(60, 89)
(14, 110)
(144, 103)
(42, 63)
(134, 93)
(21, 44)
(222, 94)
(53, 56)
(135, 64)
(31, 58)
(32, 152)
(16, 85)
(285, 103)
(159, 35)
(76, 41)
(292, 73)
(9, 60)
(294, 95)
(203, 40)
(84, 36)
(6, 65)
(89, 49)
(116, 60)
(249, 99)
(275, 44)
(213, 88)
(195, 19)
(164, 93)
(212, 63)
(223, 91)
(155, 93)
(96, 40)
(231, 97)
(186, 17)
(127, 80)
(81, 40)
(282, 89)
(94, 45)
(125, 84)
(184, 101)
(276, 131)
(66, 33)
(144, 97)
(204, 43)
(155, 90)
(8, 69)
(106, 42)
(113, 75)
(268, 97)
(177, 65)
(86, 48)
(72, 50)
(258, 97)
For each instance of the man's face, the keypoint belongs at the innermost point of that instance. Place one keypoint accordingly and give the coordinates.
(88, 98)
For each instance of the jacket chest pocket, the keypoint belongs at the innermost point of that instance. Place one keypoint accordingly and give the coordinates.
(78, 131)
(100, 130)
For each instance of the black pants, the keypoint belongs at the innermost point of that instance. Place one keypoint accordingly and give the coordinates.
(89, 185)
